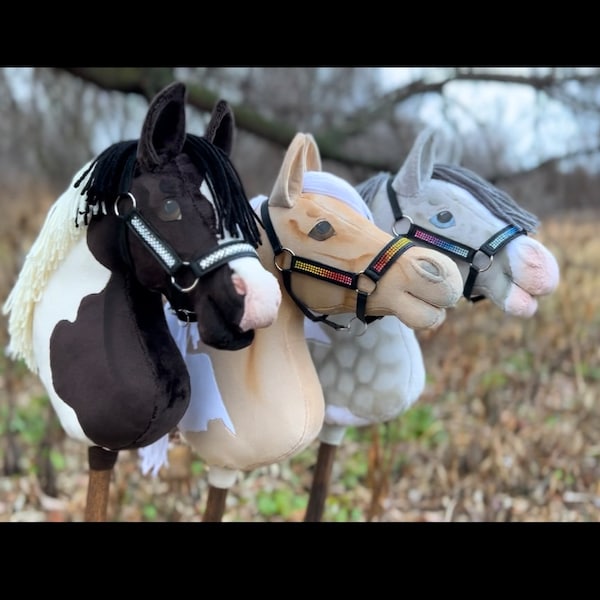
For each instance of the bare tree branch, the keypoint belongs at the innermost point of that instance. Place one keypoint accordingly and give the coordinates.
(146, 82)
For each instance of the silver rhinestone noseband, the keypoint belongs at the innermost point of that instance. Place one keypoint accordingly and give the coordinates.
(169, 259)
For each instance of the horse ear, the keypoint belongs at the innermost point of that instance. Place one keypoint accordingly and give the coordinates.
(163, 131)
(417, 169)
(313, 156)
(289, 182)
(221, 127)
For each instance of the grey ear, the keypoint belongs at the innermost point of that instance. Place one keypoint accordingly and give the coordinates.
(163, 131)
(417, 169)
(221, 127)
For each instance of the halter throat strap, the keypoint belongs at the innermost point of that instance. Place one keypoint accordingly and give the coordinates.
(375, 270)
(453, 248)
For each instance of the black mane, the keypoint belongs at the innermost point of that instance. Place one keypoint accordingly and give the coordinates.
(112, 171)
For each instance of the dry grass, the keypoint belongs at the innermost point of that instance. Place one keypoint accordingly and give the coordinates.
(508, 428)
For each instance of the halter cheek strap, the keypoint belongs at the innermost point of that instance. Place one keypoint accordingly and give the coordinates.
(453, 248)
(490, 248)
(376, 269)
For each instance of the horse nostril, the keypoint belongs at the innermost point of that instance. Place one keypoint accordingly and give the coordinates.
(429, 267)
(239, 284)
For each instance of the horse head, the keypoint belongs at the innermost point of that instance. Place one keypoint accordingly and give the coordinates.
(478, 225)
(187, 207)
(313, 212)
(165, 216)
(331, 259)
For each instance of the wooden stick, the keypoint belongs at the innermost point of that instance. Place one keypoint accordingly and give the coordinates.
(215, 505)
(101, 464)
(320, 483)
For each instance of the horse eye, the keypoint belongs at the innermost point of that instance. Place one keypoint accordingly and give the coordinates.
(170, 211)
(443, 219)
(321, 231)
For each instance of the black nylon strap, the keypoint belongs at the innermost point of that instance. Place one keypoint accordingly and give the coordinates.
(163, 253)
(393, 199)
(449, 246)
(387, 257)
(500, 239)
(266, 219)
(490, 248)
(220, 255)
(375, 270)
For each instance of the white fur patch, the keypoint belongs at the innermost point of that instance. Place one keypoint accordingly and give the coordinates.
(318, 182)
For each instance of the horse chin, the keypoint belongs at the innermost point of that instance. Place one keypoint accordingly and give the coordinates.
(225, 339)
(220, 327)
(519, 303)
(422, 314)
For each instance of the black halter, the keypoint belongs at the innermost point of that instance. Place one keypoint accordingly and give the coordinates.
(172, 263)
(452, 248)
(378, 266)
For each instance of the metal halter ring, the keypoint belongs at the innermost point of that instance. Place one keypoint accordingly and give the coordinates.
(484, 268)
(182, 289)
(179, 312)
(349, 326)
(275, 258)
(120, 198)
(359, 291)
(394, 231)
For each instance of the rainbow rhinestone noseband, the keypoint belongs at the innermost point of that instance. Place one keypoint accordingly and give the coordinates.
(354, 281)
(453, 248)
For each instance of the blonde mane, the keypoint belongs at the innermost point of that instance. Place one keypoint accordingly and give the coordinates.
(58, 235)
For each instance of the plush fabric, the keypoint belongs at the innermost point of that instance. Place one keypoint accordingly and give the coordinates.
(272, 403)
(375, 378)
(135, 226)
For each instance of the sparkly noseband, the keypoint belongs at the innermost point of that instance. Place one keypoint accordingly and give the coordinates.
(378, 266)
(453, 248)
(172, 263)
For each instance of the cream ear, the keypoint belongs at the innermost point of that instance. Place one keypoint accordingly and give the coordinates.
(288, 185)
(313, 156)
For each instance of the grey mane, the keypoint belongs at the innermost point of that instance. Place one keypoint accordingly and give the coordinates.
(498, 202)
(368, 189)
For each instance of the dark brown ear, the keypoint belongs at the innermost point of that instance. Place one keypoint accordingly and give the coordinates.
(221, 127)
(163, 131)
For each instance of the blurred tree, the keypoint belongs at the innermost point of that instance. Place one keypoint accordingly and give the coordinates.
(362, 123)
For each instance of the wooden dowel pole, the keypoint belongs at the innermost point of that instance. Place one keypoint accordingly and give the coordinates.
(101, 464)
(215, 505)
(320, 483)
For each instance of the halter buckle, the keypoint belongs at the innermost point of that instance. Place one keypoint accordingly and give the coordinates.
(184, 317)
